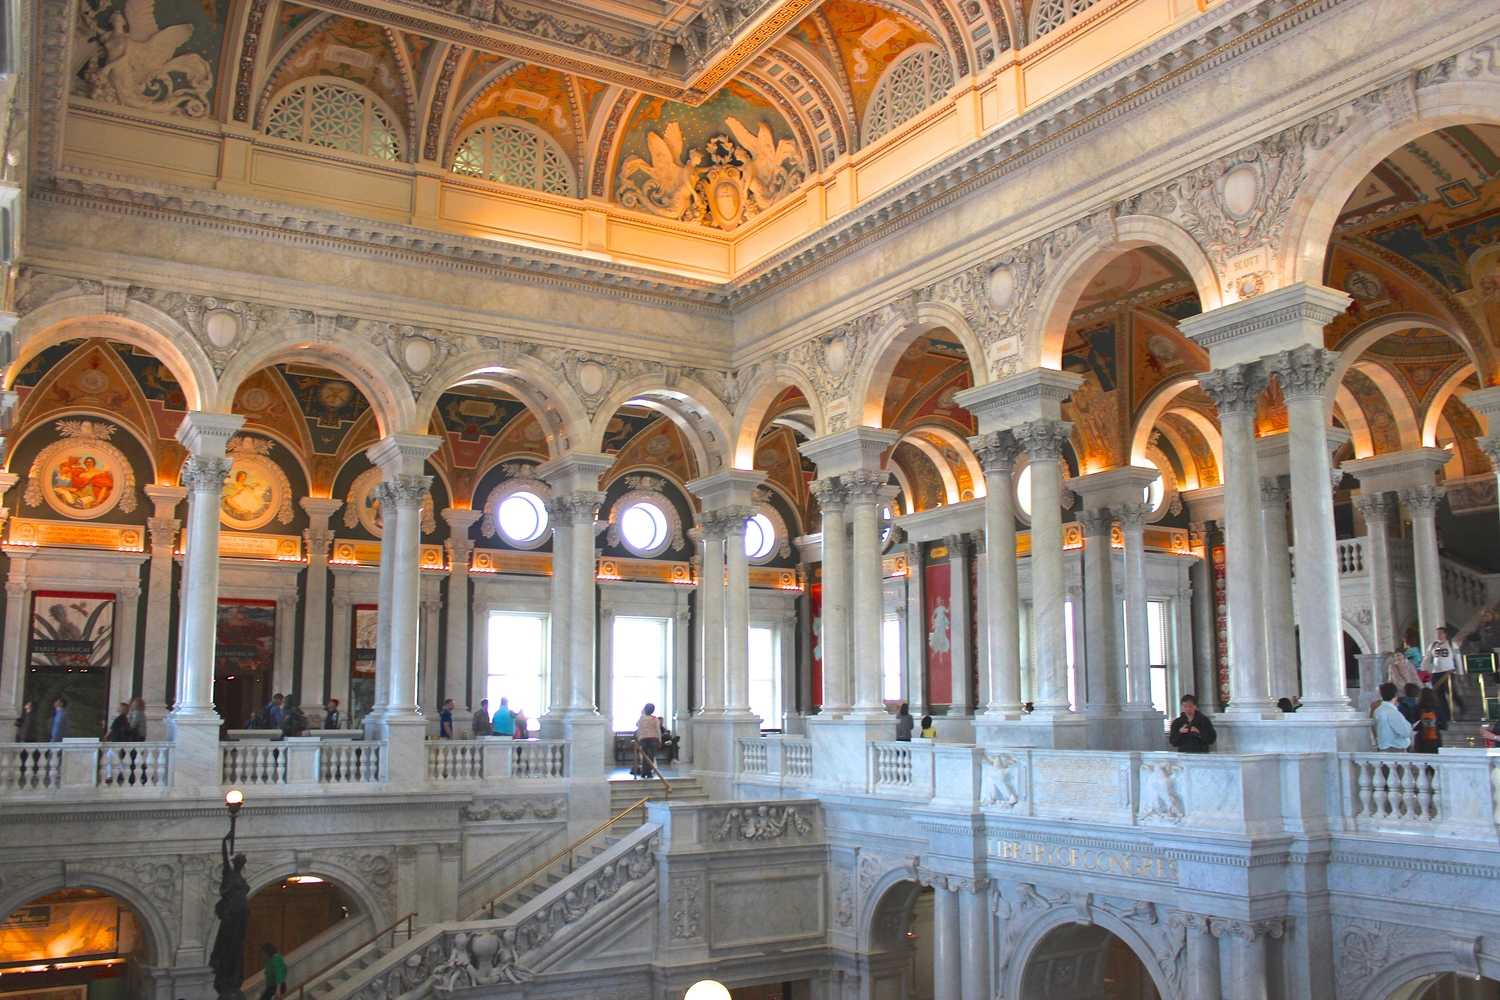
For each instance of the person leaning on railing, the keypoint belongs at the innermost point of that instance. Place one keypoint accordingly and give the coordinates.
(648, 735)
(1192, 731)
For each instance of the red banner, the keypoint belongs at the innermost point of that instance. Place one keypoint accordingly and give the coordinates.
(1221, 624)
(938, 633)
(815, 607)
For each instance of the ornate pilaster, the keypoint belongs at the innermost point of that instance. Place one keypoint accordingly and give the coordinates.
(866, 492)
(1422, 503)
(1376, 509)
(834, 620)
(461, 680)
(1132, 517)
(712, 528)
(1043, 440)
(997, 452)
(1276, 587)
(155, 654)
(1102, 659)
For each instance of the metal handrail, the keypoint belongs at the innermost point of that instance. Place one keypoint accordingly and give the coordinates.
(490, 905)
(301, 987)
(639, 754)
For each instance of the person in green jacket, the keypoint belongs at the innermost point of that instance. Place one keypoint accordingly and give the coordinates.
(275, 973)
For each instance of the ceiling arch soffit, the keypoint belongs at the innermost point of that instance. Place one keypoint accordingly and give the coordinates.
(605, 142)
(257, 78)
(1391, 393)
(839, 69)
(701, 416)
(437, 102)
(1450, 390)
(412, 87)
(347, 44)
(520, 370)
(1463, 89)
(828, 87)
(1157, 402)
(291, 428)
(789, 110)
(1353, 347)
(1348, 414)
(756, 388)
(132, 413)
(855, 38)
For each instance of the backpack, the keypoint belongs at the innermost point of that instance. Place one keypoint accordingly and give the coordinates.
(261, 719)
(1427, 729)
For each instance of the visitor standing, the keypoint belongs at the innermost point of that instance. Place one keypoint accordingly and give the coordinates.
(1429, 727)
(904, 723)
(293, 719)
(275, 973)
(331, 714)
(648, 737)
(1407, 703)
(445, 721)
(1192, 731)
(929, 731)
(505, 719)
(59, 720)
(138, 720)
(119, 729)
(1392, 731)
(483, 724)
(26, 723)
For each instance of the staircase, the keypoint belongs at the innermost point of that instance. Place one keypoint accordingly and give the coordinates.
(624, 791)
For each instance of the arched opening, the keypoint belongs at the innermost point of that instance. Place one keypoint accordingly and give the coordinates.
(1449, 986)
(74, 942)
(309, 919)
(901, 944)
(932, 461)
(1085, 962)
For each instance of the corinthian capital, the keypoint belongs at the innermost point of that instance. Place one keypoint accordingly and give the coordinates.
(1303, 371)
(406, 491)
(996, 451)
(201, 474)
(1423, 500)
(1044, 439)
(866, 486)
(1132, 516)
(578, 507)
(829, 492)
(1096, 522)
(1236, 388)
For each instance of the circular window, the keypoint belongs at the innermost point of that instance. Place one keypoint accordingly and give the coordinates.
(760, 537)
(1154, 494)
(643, 528)
(1023, 491)
(522, 518)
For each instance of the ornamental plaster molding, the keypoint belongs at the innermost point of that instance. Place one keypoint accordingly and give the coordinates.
(684, 907)
(1161, 792)
(758, 823)
(1003, 781)
(843, 897)
(511, 810)
(1019, 906)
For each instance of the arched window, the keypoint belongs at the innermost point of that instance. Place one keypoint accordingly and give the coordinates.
(512, 152)
(337, 115)
(912, 84)
(1053, 14)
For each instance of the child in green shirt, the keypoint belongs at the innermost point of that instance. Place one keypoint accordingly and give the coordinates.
(275, 973)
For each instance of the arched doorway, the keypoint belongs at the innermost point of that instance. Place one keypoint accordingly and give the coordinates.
(1076, 962)
(306, 917)
(1449, 986)
(73, 943)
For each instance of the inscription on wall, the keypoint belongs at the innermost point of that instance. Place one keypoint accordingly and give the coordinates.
(1127, 864)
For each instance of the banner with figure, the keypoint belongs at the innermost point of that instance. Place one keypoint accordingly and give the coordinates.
(938, 626)
(69, 656)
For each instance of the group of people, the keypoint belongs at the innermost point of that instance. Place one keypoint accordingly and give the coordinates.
(652, 737)
(906, 725)
(284, 713)
(29, 728)
(505, 722)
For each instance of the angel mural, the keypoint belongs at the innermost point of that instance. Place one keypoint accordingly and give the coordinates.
(774, 166)
(135, 61)
(667, 189)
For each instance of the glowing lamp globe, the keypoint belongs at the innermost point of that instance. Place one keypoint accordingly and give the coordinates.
(707, 989)
(234, 797)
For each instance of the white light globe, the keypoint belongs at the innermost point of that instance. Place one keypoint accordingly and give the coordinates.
(707, 989)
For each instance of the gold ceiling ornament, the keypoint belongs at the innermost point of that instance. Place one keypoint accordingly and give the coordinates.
(742, 177)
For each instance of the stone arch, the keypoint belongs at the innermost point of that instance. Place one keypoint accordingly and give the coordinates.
(558, 410)
(697, 412)
(1347, 409)
(1390, 982)
(1058, 297)
(1434, 413)
(755, 401)
(959, 444)
(1401, 408)
(1354, 630)
(891, 340)
(1210, 432)
(155, 927)
(1367, 335)
(893, 894)
(1026, 946)
(350, 882)
(1334, 171)
(375, 374)
(82, 317)
(1157, 402)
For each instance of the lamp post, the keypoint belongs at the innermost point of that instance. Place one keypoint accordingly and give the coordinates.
(233, 799)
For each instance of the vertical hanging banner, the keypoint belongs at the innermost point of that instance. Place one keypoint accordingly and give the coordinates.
(69, 656)
(362, 663)
(1221, 624)
(938, 627)
(244, 658)
(815, 614)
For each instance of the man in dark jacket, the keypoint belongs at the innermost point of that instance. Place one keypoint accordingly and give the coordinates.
(1192, 731)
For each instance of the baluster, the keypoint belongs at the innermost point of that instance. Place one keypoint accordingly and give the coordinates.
(1424, 792)
(1379, 778)
(1366, 795)
(1408, 790)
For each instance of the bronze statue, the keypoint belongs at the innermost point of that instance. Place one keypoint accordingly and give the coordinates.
(233, 911)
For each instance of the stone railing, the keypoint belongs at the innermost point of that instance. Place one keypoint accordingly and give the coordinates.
(1468, 588)
(349, 763)
(753, 756)
(1454, 793)
(537, 759)
(1351, 552)
(44, 768)
(797, 759)
(448, 760)
(902, 768)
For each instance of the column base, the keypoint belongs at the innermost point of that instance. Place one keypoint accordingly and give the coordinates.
(1060, 731)
(404, 764)
(195, 754)
(716, 758)
(1305, 732)
(589, 740)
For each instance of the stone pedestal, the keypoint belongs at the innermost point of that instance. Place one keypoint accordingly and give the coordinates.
(716, 758)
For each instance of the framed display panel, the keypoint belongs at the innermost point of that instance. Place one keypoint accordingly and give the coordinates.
(244, 658)
(69, 656)
(362, 663)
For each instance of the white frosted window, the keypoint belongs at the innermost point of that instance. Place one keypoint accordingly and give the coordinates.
(890, 659)
(518, 664)
(336, 116)
(911, 85)
(1053, 14)
(644, 529)
(641, 648)
(521, 517)
(515, 153)
(765, 676)
(1158, 639)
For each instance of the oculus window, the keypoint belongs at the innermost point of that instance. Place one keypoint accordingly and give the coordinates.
(913, 83)
(522, 518)
(644, 528)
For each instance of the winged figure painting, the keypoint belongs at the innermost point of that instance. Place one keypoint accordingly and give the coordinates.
(140, 68)
(667, 189)
(774, 166)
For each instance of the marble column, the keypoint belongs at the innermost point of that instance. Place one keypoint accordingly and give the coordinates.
(947, 937)
(163, 529)
(312, 687)
(997, 453)
(382, 698)
(1247, 979)
(1100, 629)
(1201, 977)
(1486, 403)
(193, 724)
(974, 919)
(459, 675)
(1205, 673)
(404, 495)
(1422, 503)
(867, 493)
(13, 660)
(560, 642)
(711, 611)
(960, 627)
(584, 516)
(737, 612)
(1132, 518)
(1043, 440)
(1235, 391)
(834, 639)
(914, 639)
(1377, 508)
(1276, 588)
(1303, 373)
